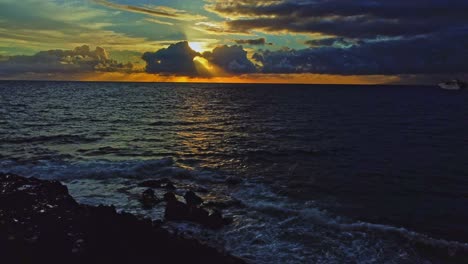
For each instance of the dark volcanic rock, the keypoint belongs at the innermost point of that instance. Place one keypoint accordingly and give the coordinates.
(192, 199)
(232, 180)
(175, 210)
(159, 183)
(41, 223)
(178, 211)
(170, 186)
(216, 220)
(201, 189)
(224, 204)
(148, 199)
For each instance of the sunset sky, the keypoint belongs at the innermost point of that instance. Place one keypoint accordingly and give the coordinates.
(279, 41)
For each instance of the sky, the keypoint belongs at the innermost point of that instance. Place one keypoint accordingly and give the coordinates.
(245, 41)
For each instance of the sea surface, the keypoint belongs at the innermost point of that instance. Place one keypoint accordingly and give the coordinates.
(325, 174)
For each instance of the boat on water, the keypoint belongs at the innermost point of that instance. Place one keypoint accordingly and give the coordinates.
(453, 85)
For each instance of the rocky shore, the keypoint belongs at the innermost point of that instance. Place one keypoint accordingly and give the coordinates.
(41, 223)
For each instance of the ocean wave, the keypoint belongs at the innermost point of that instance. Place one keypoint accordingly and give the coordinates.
(453, 247)
(121, 152)
(287, 152)
(94, 169)
(51, 138)
(306, 217)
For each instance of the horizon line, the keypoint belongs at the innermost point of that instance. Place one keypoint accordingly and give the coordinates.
(223, 83)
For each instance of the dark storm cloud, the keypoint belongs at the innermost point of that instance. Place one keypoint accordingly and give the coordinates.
(336, 42)
(259, 41)
(420, 55)
(350, 27)
(358, 37)
(178, 59)
(353, 19)
(80, 60)
(322, 8)
(232, 59)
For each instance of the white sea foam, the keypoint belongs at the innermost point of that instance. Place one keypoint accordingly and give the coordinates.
(99, 169)
(271, 219)
(452, 246)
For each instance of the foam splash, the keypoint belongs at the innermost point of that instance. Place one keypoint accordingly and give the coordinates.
(99, 169)
(308, 221)
(453, 247)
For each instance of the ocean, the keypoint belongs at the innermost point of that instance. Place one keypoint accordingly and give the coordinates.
(308, 173)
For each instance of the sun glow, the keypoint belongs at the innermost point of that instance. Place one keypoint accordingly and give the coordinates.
(212, 78)
(197, 46)
(207, 69)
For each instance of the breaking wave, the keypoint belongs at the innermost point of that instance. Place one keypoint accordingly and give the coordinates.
(96, 169)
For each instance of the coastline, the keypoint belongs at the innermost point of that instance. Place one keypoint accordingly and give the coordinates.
(42, 223)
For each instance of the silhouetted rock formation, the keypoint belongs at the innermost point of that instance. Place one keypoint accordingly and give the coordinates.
(175, 210)
(232, 180)
(192, 199)
(41, 223)
(179, 211)
(159, 183)
(148, 199)
(223, 204)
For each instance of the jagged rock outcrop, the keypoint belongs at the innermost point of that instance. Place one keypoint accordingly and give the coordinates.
(41, 223)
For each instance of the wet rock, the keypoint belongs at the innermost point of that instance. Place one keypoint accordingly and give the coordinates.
(158, 183)
(223, 204)
(175, 210)
(178, 211)
(215, 220)
(170, 196)
(151, 184)
(67, 232)
(192, 199)
(198, 215)
(232, 180)
(170, 186)
(157, 223)
(201, 189)
(148, 198)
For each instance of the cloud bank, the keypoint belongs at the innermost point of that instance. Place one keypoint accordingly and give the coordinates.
(232, 59)
(353, 19)
(79, 60)
(420, 55)
(177, 59)
(427, 55)
(180, 59)
(253, 42)
(356, 37)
